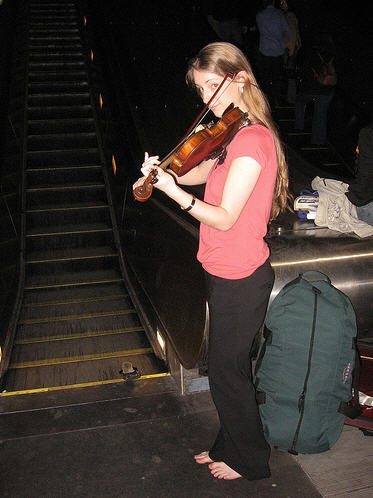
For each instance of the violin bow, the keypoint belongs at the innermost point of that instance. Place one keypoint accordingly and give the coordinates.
(198, 119)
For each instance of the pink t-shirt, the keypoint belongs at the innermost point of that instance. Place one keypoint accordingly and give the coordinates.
(239, 251)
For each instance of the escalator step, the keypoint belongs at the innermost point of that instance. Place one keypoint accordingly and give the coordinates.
(82, 335)
(70, 254)
(53, 112)
(56, 176)
(53, 38)
(72, 279)
(48, 87)
(83, 325)
(80, 358)
(81, 316)
(59, 48)
(63, 157)
(66, 296)
(45, 48)
(57, 76)
(57, 271)
(38, 220)
(97, 304)
(82, 236)
(104, 369)
(59, 99)
(38, 197)
(61, 141)
(52, 22)
(45, 126)
(56, 57)
(58, 32)
(55, 66)
(42, 44)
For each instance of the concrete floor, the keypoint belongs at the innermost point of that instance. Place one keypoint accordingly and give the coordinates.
(123, 440)
(138, 440)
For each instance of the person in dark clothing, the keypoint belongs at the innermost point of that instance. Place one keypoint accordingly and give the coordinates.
(293, 44)
(360, 191)
(273, 31)
(227, 18)
(312, 90)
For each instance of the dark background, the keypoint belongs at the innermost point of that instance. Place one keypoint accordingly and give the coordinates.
(147, 45)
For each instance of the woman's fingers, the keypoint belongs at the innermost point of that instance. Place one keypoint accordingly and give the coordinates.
(139, 182)
(150, 160)
(150, 163)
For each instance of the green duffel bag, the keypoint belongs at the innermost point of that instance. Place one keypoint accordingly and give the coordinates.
(306, 365)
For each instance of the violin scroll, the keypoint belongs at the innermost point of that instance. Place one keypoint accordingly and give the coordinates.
(144, 191)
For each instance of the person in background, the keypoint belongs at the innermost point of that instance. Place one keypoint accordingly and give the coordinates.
(273, 31)
(293, 44)
(227, 18)
(360, 191)
(312, 89)
(246, 187)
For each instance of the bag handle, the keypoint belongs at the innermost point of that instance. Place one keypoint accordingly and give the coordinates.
(314, 276)
(309, 276)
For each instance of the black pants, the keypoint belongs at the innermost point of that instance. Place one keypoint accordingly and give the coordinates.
(270, 72)
(237, 311)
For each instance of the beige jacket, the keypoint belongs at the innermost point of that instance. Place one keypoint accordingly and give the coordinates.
(335, 211)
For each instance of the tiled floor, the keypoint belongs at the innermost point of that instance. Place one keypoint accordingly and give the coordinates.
(344, 471)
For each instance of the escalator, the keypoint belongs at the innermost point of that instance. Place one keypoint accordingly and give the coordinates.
(77, 324)
(326, 160)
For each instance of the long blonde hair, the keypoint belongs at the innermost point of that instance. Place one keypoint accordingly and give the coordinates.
(222, 58)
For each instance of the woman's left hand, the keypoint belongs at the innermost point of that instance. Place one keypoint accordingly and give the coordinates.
(164, 180)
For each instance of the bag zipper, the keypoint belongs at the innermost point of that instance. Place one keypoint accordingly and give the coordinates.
(302, 397)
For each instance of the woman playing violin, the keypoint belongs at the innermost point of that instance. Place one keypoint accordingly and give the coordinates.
(246, 187)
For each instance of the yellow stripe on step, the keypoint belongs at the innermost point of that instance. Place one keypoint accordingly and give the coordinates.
(83, 335)
(72, 284)
(109, 297)
(76, 359)
(70, 258)
(84, 384)
(62, 318)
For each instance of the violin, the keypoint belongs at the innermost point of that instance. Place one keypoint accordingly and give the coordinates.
(207, 143)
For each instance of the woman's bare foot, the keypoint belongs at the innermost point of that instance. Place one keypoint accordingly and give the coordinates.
(222, 471)
(203, 457)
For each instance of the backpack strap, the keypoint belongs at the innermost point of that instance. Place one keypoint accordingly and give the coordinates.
(344, 408)
(267, 334)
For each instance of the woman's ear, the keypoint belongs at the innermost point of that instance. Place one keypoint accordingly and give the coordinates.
(241, 76)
